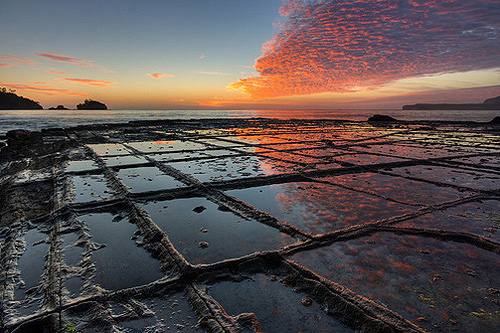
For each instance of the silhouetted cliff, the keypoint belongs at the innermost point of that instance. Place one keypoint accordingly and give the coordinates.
(91, 105)
(493, 101)
(10, 101)
(489, 104)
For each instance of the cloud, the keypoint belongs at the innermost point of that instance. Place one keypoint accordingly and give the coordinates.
(345, 45)
(202, 56)
(59, 73)
(160, 75)
(178, 100)
(53, 56)
(46, 90)
(3, 64)
(17, 60)
(99, 83)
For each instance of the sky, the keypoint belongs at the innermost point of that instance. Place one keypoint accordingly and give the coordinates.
(258, 54)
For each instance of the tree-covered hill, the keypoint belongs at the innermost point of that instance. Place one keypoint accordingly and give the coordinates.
(10, 101)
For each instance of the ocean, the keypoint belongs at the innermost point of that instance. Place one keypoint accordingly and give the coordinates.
(35, 120)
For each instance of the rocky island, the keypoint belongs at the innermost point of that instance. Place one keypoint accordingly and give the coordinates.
(489, 104)
(11, 101)
(91, 105)
(59, 107)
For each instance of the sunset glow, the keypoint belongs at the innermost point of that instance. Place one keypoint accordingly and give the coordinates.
(335, 46)
(293, 54)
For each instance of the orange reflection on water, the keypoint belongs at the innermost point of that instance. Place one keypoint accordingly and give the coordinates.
(318, 208)
(162, 142)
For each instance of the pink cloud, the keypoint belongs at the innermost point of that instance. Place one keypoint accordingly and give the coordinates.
(43, 90)
(59, 73)
(3, 64)
(99, 83)
(62, 58)
(160, 75)
(17, 60)
(344, 45)
(53, 56)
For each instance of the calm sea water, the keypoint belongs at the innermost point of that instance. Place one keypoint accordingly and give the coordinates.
(39, 119)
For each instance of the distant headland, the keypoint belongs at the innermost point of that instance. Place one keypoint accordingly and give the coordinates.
(9, 100)
(489, 104)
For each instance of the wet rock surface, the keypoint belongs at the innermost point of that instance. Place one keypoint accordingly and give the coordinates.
(251, 225)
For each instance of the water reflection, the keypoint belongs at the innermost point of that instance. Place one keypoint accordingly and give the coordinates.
(443, 286)
(31, 263)
(453, 176)
(480, 218)
(120, 263)
(78, 166)
(397, 188)
(147, 179)
(164, 146)
(90, 188)
(109, 149)
(319, 208)
(277, 308)
(227, 168)
(203, 233)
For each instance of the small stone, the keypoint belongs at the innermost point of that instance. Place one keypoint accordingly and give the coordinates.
(117, 218)
(204, 230)
(203, 245)
(199, 209)
(381, 118)
(306, 301)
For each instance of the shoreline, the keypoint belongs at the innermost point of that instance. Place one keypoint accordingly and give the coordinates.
(40, 119)
(150, 122)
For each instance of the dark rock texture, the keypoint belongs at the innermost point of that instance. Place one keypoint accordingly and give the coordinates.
(382, 117)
